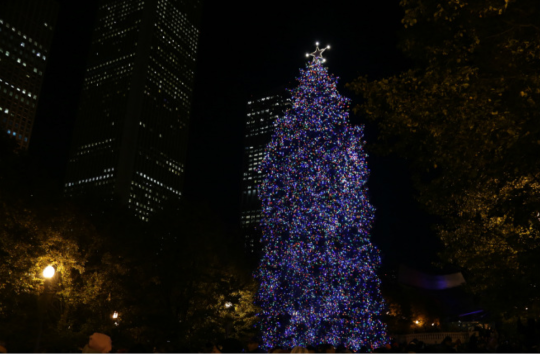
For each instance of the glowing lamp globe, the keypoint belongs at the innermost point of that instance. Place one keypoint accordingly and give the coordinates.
(49, 272)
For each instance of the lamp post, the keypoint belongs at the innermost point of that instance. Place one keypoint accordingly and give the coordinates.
(228, 322)
(114, 316)
(48, 274)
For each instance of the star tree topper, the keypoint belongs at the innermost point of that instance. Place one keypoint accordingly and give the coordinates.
(317, 54)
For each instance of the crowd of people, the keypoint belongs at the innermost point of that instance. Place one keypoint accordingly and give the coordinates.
(483, 342)
(490, 342)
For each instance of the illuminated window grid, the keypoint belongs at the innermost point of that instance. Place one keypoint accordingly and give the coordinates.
(261, 115)
(24, 45)
(166, 106)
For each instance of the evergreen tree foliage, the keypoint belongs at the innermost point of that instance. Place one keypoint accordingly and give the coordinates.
(318, 270)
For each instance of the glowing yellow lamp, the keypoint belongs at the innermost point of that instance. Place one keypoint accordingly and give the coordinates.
(49, 272)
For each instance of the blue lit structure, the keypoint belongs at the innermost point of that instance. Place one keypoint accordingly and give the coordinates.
(318, 269)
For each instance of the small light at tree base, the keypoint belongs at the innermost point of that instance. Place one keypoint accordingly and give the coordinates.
(49, 272)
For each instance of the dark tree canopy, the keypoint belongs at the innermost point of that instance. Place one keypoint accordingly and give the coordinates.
(467, 120)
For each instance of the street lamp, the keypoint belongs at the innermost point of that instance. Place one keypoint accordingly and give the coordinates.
(228, 322)
(48, 272)
(115, 318)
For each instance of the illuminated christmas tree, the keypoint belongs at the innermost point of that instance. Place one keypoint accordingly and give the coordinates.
(318, 269)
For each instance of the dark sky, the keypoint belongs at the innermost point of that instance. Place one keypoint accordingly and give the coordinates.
(246, 50)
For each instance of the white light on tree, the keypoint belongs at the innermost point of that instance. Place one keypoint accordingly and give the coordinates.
(115, 314)
(49, 272)
(228, 304)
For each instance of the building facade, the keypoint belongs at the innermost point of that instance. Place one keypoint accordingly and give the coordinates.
(262, 111)
(130, 137)
(26, 34)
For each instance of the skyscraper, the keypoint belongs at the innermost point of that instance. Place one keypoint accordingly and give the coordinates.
(131, 133)
(261, 114)
(26, 34)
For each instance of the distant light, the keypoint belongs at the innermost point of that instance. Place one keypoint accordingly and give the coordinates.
(327, 47)
(49, 272)
(417, 322)
(228, 304)
(433, 324)
(115, 314)
(316, 43)
(307, 55)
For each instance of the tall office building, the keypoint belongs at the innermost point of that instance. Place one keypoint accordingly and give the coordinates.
(261, 114)
(130, 139)
(26, 34)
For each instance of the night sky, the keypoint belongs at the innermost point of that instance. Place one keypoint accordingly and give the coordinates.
(246, 50)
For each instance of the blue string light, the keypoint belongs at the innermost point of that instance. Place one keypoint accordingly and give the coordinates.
(318, 281)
